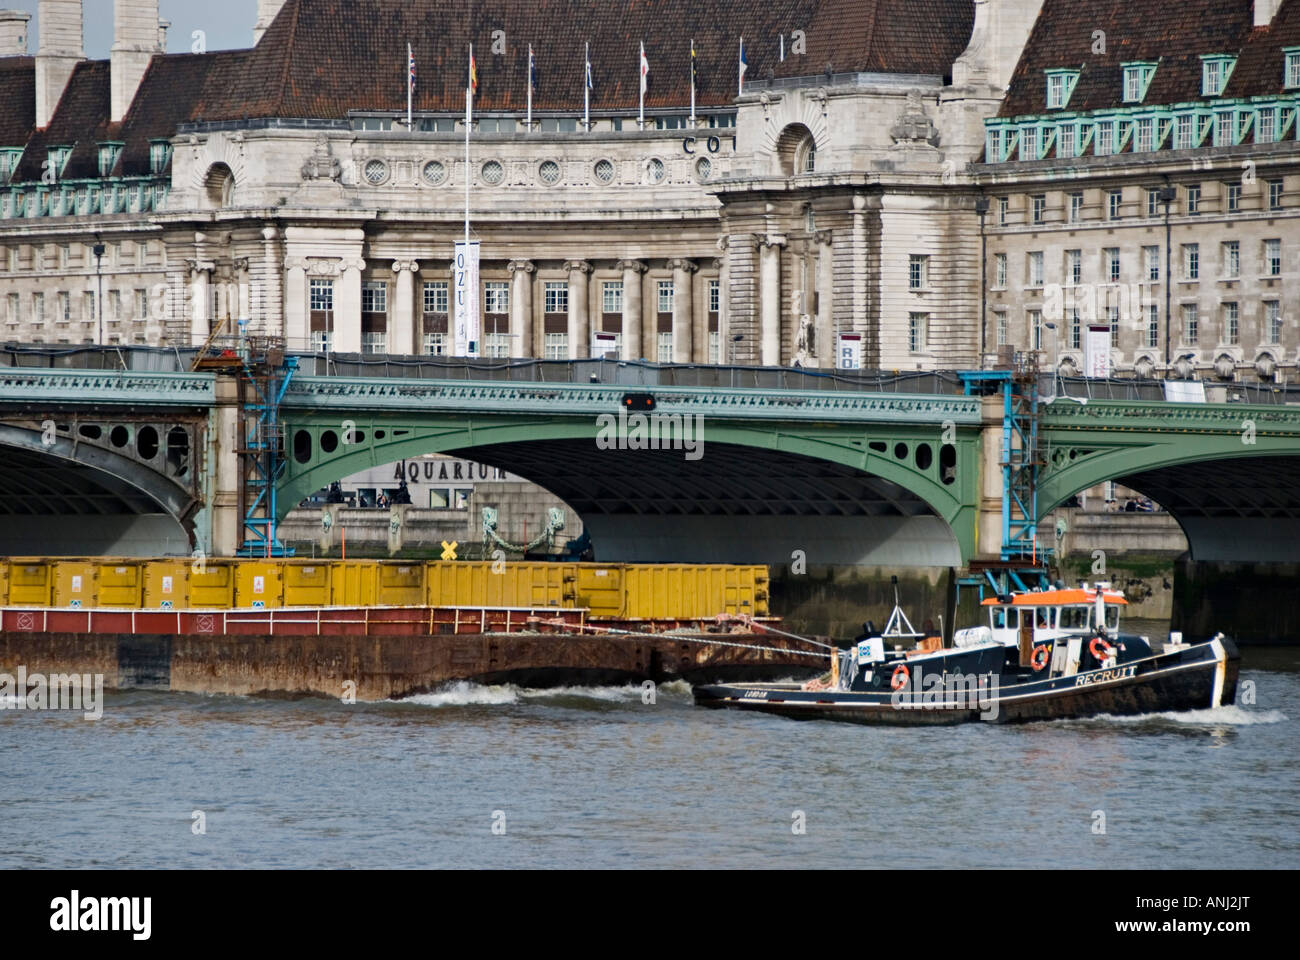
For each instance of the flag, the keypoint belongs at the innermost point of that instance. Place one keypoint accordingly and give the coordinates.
(532, 70)
(590, 85)
(473, 73)
(744, 65)
(645, 70)
(694, 70)
(783, 48)
(410, 58)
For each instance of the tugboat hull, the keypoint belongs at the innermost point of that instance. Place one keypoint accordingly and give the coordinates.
(1196, 677)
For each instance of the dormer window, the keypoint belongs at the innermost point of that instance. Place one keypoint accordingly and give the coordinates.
(1291, 69)
(1137, 77)
(9, 164)
(1215, 71)
(57, 159)
(1060, 84)
(108, 154)
(159, 154)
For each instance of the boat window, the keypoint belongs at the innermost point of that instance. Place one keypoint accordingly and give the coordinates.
(1112, 618)
(1075, 618)
(999, 618)
(1043, 619)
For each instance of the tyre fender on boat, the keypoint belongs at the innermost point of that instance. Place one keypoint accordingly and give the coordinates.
(1041, 657)
(900, 678)
(1100, 649)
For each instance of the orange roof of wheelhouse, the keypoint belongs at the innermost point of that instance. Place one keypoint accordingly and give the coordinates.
(1052, 598)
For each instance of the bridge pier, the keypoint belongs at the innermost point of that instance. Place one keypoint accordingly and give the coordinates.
(218, 529)
(1250, 602)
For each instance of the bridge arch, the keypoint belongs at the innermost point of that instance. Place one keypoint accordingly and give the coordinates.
(842, 494)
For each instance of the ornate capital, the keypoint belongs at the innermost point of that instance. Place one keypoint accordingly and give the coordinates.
(578, 266)
(348, 263)
(688, 266)
(717, 263)
(723, 242)
(824, 237)
(521, 266)
(633, 266)
(772, 240)
(239, 264)
(196, 267)
(406, 266)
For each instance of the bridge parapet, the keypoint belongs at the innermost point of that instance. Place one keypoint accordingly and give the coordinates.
(567, 399)
(1247, 420)
(37, 386)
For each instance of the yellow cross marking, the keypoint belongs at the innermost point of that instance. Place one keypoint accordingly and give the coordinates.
(449, 549)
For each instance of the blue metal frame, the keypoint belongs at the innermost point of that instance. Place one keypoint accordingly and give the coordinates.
(261, 430)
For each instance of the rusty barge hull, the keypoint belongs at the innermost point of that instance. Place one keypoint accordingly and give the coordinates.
(385, 666)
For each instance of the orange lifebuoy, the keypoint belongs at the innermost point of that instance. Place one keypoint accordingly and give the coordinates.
(1100, 649)
(900, 677)
(1039, 662)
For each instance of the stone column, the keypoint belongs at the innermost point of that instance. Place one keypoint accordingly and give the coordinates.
(579, 325)
(403, 326)
(521, 307)
(632, 312)
(347, 308)
(723, 266)
(296, 334)
(200, 301)
(684, 334)
(826, 346)
(770, 286)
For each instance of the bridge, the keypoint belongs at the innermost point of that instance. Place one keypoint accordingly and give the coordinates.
(101, 461)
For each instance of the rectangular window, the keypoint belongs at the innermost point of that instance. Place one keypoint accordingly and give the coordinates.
(1231, 324)
(916, 332)
(435, 344)
(1234, 197)
(715, 296)
(1153, 325)
(1074, 266)
(1001, 325)
(496, 297)
(1193, 198)
(1273, 321)
(1029, 143)
(1183, 132)
(664, 346)
(38, 308)
(1191, 323)
(322, 341)
(496, 345)
(1035, 268)
(1151, 262)
(1035, 318)
(664, 289)
(1273, 258)
(1076, 207)
(1231, 259)
(1153, 203)
(1112, 314)
(1275, 194)
(141, 310)
(1265, 131)
(1143, 143)
(715, 347)
(15, 309)
(374, 297)
(1065, 141)
(13, 259)
(993, 146)
(557, 346)
(374, 342)
(611, 299)
(1191, 261)
(322, 295)
(1292, 69)
(918, 270)
(89, 311)
(115, 304)
(999, 270)
(1004, 207)
(1055, 91)
(1076, 330)
(1105, 138)
(1112, 264)
(556, 299)
(1114, 201)
(436, 296)
(1211, 78)
(1224, 128)
(1039, 206)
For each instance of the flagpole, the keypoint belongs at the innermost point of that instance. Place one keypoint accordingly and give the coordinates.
(529, 122)
(469, 122)
(692, 81)
(410, 85)
(586, 87)
(640, 121)
(740, 70)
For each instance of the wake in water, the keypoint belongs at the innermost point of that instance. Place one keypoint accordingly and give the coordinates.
(1231, 715)
(465, 694)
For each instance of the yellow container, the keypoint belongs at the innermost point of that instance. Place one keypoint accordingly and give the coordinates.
(400, 585)
(74, 583)
(189, 584)
(306, 584)
(212, 585)
(457, 584)
(259, 584)
(120, 584)
(4, 583)
(600, 588)
(352, 583)
(683, 592)
(31, 583)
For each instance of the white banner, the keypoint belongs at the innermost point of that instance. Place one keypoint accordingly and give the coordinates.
(850, 352)
(1097, 353)
(468, 328)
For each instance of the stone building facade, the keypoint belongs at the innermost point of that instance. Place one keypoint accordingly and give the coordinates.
(828, 209)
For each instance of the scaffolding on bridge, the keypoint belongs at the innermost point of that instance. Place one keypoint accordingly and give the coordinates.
(1024, 562)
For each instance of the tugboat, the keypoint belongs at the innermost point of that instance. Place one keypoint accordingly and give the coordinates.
(1043, 655)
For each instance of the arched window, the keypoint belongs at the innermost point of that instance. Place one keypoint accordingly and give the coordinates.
(796, 151)
(219, 187)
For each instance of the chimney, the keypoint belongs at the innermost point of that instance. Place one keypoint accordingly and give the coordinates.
(59, 52)
(135, 41)
(163, 27)
(13, 33)
(1265, 10)
(266, 11)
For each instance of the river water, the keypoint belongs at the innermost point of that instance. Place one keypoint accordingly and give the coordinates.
(502, 777)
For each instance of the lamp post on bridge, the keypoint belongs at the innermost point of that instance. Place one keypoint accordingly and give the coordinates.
(98, 250)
